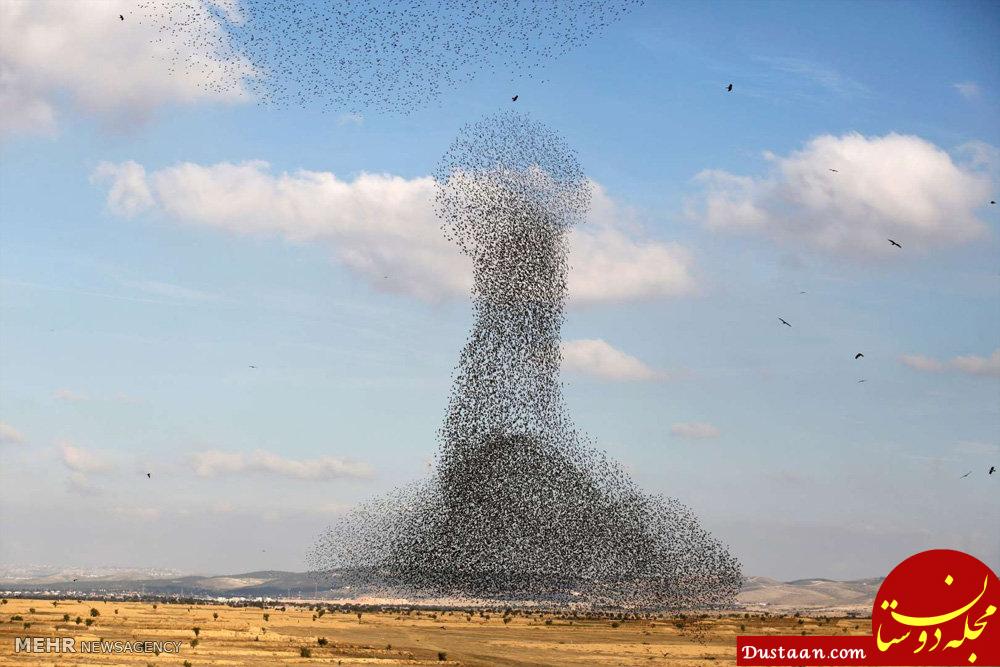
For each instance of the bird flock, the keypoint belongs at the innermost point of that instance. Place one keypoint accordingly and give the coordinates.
(366, 55)
(520, 505)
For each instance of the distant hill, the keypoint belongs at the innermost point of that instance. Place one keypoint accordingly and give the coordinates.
(757, 591)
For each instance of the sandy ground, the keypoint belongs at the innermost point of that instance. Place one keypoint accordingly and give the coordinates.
(242, 636)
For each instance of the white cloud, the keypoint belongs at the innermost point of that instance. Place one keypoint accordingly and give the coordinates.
(969, 364)
(119, 71)
(383, 227)
(83, 461)
(69, 396)
(967, 89)
(694, 430)
(214, 462)
(129, 193)
(922, 363)
(597, 358)
(894, 186)
(10, 435)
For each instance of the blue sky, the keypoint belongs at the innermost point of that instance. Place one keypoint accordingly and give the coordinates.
(148, 257)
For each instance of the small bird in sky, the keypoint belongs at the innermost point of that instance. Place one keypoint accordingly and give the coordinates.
(253, 367)
(862, 380)
(858, 355)
(801, 292)
(514, 99)
(729, 88)
(992, 202)
(784, 322)
(966, 475)
(993, 469)
(149, 475)
(894, 243)
(835, 171)
(121, 17)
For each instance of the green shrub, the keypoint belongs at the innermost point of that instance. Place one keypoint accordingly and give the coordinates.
(304, 652)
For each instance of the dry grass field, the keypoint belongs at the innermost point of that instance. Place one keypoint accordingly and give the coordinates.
(243, 636)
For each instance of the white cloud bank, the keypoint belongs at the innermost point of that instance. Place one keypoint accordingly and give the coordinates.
(383, 228)
(214, 462)
(118, 71)
(694, 430)
(895, 186)
(968, 364)
(83, 461)
(596, 358)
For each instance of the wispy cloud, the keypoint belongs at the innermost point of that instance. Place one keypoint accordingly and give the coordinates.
(822, 76)
(10, 435)
(597, 358)
(969, 364)
(69, 396)
(968, 89)
(215, 462)
(694, 430)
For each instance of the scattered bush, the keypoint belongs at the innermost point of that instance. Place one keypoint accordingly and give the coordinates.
(66, 617)
(322, 641)
(616, 624)
(215, 615)
(319, 613)
(304, 652)
(79, 620)
(743, 628)
(442, 656)
(94, 613)
(194, 643)
(359, 617)
(116, 612)
(506, 620)
(16, 617)
(187, 663)
(548, 621)
(196, 630)
(267, 617)
(31, 610)
(89, 622)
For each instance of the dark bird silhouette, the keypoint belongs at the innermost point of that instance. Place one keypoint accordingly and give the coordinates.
(784, 322)
(729, 88)
(993, 469)
(966, 475)
(801, 292)
(992, 202)
(514, 99)
(835, 171)
(862, 380)
(253, 367)
(121, 17)
(894, 243)
(149, 475)
(858, 355)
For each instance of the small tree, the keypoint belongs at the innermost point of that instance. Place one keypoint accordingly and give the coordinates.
(94, 613)
(267, 617)
(196, 630)
(321, 641)
(359, 617)
(304, 652)
(616, 624)
(89, 622)
(194, 643)
(215, 615)
(55, 603)
(79, 620)
(66, 617)
(506, 620)
(442, 656)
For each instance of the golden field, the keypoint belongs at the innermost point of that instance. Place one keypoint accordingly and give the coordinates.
(242, 636)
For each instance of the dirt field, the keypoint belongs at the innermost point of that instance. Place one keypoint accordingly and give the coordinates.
(242, 636)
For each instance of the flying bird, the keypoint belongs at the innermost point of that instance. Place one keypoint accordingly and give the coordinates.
(784, 322)
(149, 475)
(514, 99)
(862, 380)
(858, 355)
(993, 469)
(894, 243)
(835, 171)
(966, 475)
(121, 17)
(729, 88)
(992, 202)
(253, 367)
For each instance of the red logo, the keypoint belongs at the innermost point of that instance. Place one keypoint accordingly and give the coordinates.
(938, 607)
(935, 608)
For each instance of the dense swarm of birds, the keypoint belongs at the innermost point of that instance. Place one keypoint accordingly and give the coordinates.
(520, 505)
(370, 54)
